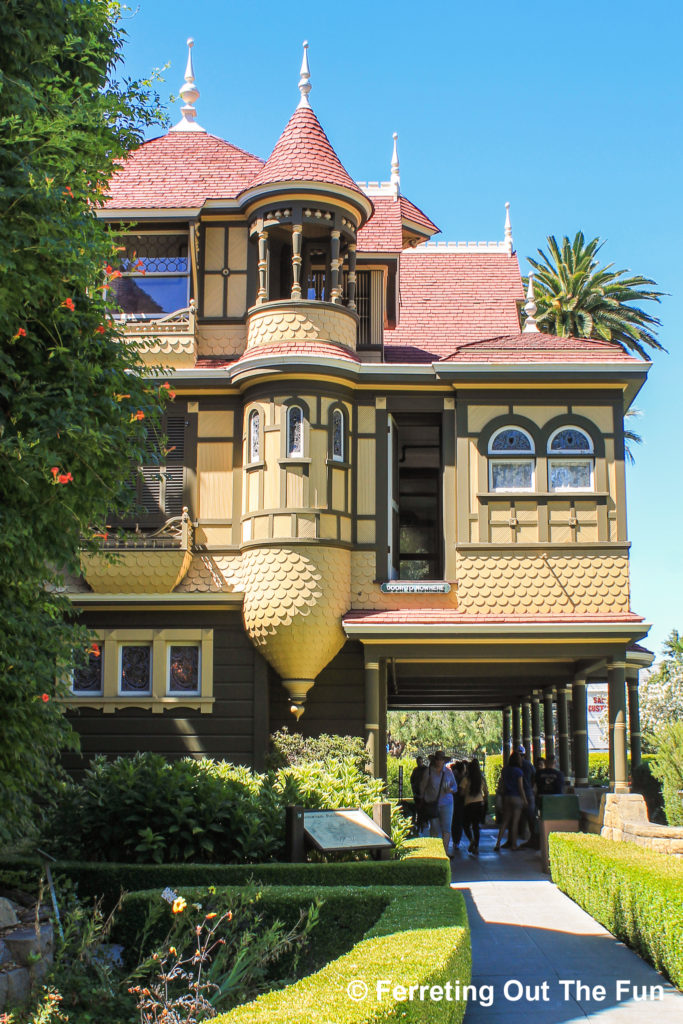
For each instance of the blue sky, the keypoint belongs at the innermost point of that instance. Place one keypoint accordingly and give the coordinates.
(570, 112)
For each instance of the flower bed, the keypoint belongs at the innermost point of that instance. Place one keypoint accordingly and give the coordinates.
(636, 894)
(422, 938)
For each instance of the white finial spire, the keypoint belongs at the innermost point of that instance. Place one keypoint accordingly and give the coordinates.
(305, 79)
(395, 173)
(530, 307)
(189, 94)
(508, 229)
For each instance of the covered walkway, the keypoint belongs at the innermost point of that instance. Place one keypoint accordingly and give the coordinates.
(524, 930)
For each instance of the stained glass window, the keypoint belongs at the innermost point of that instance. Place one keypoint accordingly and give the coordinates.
(136, 668)
(571, 474)
(183, 668)
(510, 439)
(295, 431)
(570, 439)
(338, 435)
(255, 436)
(512, 475)
(88, 678)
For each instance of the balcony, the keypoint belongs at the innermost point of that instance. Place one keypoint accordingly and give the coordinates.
(294, 320)
(169, 339)
(142, 561)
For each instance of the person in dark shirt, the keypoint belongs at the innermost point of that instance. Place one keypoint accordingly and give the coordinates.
(529, 812)
(514, 800)
(416, 780)
(549, 780)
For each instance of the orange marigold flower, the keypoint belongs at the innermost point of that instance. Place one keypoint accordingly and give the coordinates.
(45, 698)
(100, 328)
(70, 304)
(95, 649)
(54, 471)
(21, 333)
(179, 904)
(139, 415)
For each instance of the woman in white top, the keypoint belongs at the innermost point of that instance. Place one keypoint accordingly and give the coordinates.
(438, 786)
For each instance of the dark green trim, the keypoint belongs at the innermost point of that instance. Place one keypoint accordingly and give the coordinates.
(448, 493)
(381, 493)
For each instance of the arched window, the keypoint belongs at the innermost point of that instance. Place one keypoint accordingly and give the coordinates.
(338, 435)
(295, 432)
(570, 463)
(511, 460)
(255, 436)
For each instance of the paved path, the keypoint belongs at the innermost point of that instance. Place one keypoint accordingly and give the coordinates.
(524, 928)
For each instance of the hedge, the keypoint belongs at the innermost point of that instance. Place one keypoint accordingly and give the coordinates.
(345, 915)
(636, 894)
(422, 938)
(424, 864)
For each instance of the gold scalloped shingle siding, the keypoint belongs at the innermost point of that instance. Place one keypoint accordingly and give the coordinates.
(212, 574)
(137, 572)
(180, 347)
(366, 594)
(293, 603)
(529, 584)
(226, 340)
(270, 327)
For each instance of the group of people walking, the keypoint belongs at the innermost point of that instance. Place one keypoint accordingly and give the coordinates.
(453, 798)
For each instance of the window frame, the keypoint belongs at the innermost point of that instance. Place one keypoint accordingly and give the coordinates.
(568, 461)
(571, 456)
(340, 458)
(576, 453)
(123, 315)
(295, 454)
(507, 462)
(250, 461)
(148, 645)
(159, 697)
(501, 457)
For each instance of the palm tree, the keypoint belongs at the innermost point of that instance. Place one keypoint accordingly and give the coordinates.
(578, 297)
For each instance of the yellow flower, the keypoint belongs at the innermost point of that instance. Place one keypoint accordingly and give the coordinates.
(179, 905)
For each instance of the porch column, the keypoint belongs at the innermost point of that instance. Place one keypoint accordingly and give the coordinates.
(618, 769)
(351, 293)
(516, 727)
(297, 237)
(335, 267)
(526, 727)
(372, 714)
(580, 732)
(634, 721)
(262, 293)
(548, 726)
(535, 726)
(506, 734)
(563, 729)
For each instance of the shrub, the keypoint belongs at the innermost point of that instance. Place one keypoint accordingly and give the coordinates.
(288, 748)
(667, 766)
(493, 766)
(421, 938)
(144, 809)
(635, 893)
(424, 864)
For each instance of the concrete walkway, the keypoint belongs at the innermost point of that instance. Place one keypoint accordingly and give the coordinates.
(528, 934)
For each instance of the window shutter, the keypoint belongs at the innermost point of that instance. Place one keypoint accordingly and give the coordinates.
(149, 477)
(175, 465)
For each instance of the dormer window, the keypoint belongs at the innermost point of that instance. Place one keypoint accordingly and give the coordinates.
(155, 274)
(570, 460)
(511, 460)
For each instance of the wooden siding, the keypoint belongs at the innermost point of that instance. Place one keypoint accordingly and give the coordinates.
(236, 729)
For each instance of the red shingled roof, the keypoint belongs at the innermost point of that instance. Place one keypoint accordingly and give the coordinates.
(181, 170)
(384, 231)
(449, 299)
(542, 348)
(304, 153)
(448, 616)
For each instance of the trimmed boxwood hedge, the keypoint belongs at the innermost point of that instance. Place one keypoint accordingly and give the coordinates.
(424, 864)
(635, 893)
(345, 915)
(422, 938)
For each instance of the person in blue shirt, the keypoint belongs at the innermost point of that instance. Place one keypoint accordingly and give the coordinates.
(514, 800)
(438, 786)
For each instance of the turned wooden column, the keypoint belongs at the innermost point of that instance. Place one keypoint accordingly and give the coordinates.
(536, 726)
(335, 264)
(634, 722)
(548, 724)
(616, 691)
(297, 238)
(580, 732)
(351, 290)
(506, 735)
(262, 294)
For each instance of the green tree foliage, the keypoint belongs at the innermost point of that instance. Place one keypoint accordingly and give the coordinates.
(668, 768)
(72, 415)
(661, 693)
(577, 296)
(457, 732)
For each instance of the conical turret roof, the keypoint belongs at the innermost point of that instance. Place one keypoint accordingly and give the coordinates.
(304, 153)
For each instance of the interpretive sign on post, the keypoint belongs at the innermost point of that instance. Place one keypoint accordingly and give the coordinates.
(344, 829)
